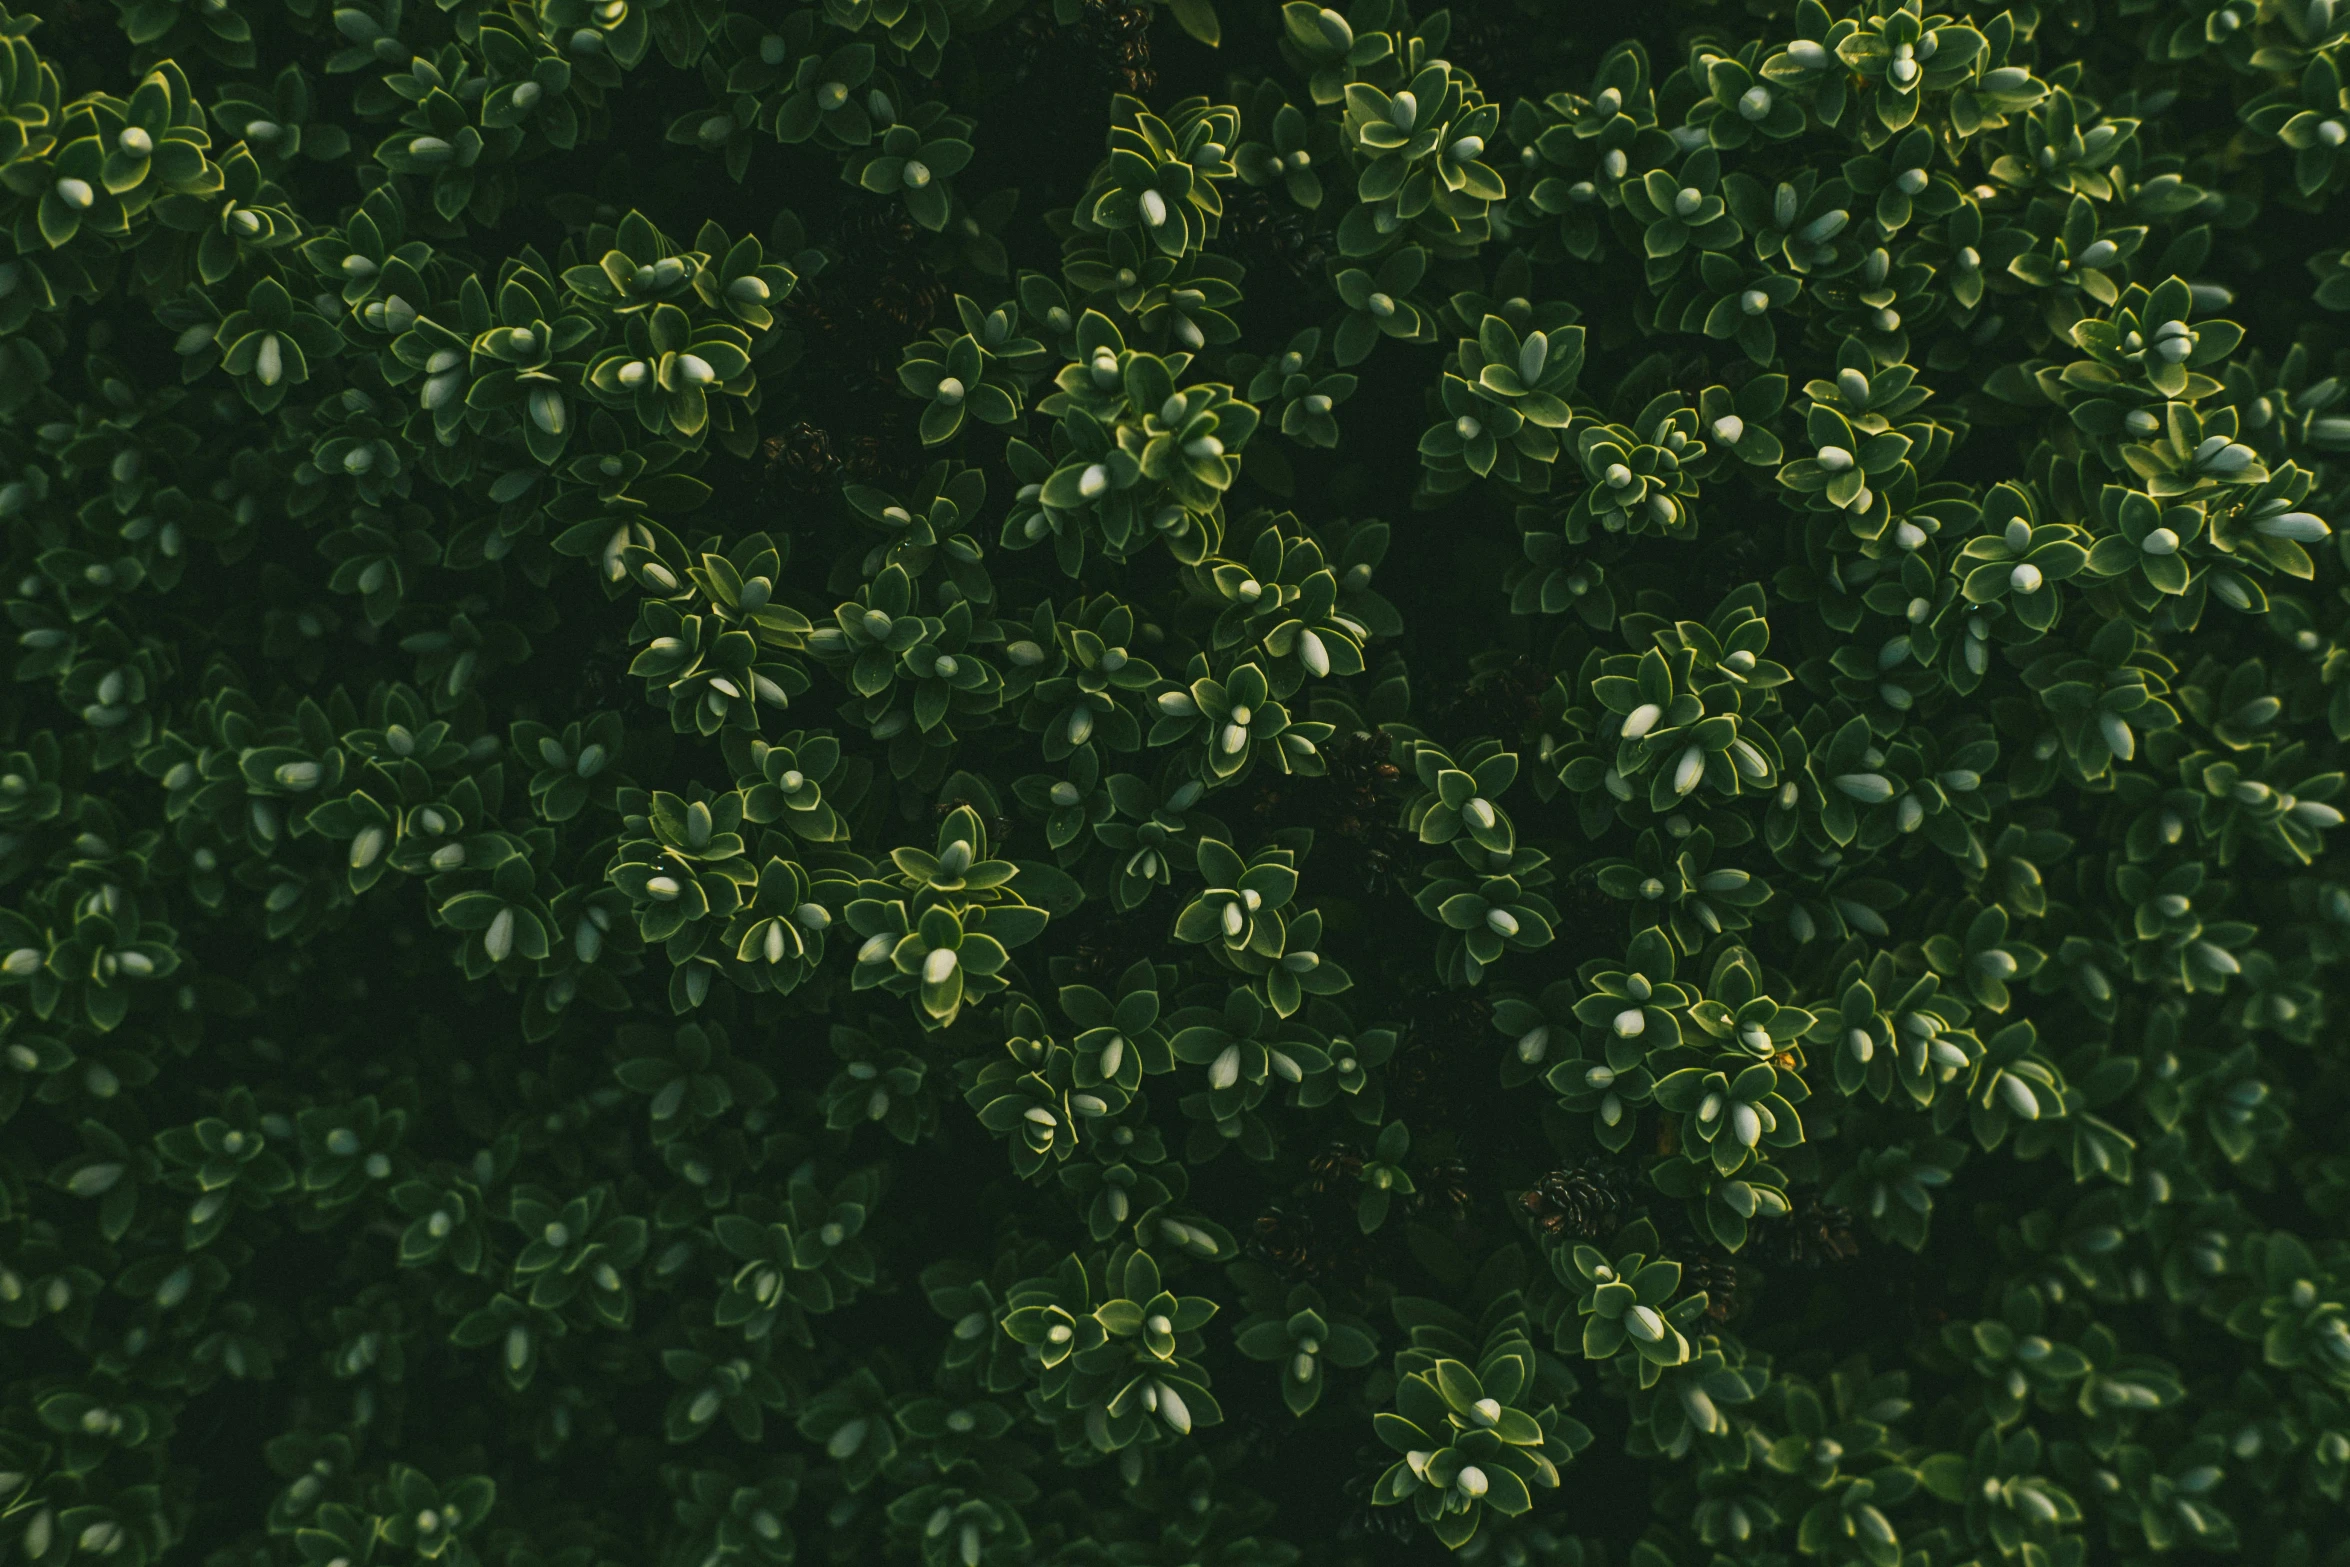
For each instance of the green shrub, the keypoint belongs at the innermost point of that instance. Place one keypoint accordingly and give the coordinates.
(989, 783)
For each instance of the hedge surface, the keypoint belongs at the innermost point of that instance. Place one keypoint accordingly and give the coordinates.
(1014, 783)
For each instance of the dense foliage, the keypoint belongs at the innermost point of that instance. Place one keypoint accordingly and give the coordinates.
(988, 782)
